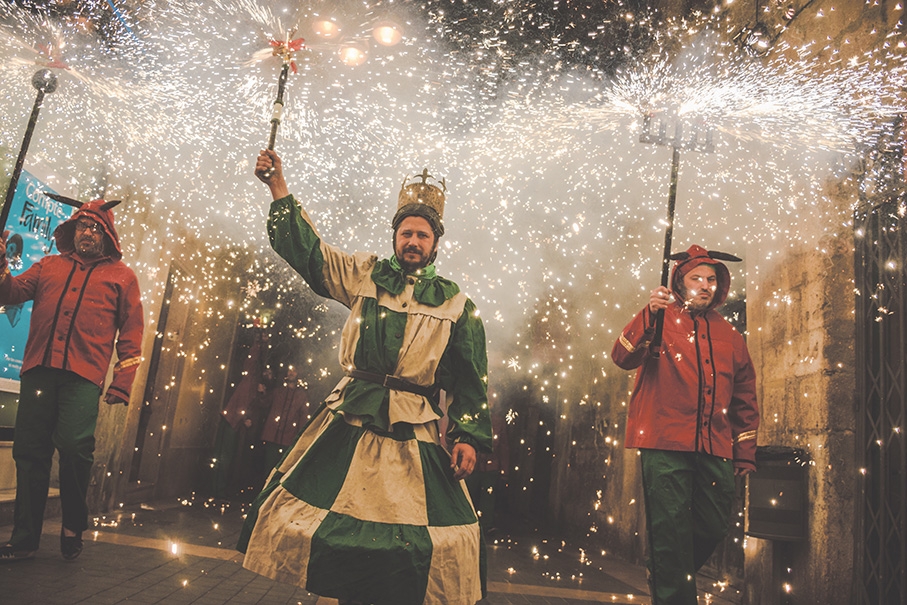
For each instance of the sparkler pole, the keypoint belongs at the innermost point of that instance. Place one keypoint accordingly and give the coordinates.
(278, 109)
(45, 81)
(655, 345)
(655, 130)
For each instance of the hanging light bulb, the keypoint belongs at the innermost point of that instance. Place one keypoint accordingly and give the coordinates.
(387, 33)
(353, 54)
(328, 29)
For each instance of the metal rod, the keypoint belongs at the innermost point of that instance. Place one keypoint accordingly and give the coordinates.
(655, 345)
(44, 81)
(277, 112)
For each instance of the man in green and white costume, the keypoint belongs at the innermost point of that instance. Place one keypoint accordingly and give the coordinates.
(368, 507)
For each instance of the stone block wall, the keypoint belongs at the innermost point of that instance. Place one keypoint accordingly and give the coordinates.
(803, 349)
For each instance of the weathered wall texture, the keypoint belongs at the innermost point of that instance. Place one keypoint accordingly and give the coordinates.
(801, 319)
(800, 313)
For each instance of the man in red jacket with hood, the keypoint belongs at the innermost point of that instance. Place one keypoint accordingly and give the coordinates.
(86, 300)
(693, 414)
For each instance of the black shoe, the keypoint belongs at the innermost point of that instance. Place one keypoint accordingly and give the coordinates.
(9, 553)
(70, 546)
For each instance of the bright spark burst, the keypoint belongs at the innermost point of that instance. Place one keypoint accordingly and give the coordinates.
(554, 202)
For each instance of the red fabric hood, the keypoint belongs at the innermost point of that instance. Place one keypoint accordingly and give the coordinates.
(697, 255)
(96, 210)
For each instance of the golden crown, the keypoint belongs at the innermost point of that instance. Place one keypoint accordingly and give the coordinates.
(415, 191)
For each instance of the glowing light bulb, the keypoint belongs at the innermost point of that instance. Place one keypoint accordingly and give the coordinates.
(352, 55)
(387, 33)
(326, 29)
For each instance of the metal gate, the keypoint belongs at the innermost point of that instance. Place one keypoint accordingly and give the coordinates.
(881, 310)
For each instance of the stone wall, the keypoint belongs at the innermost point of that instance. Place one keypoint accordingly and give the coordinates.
(802, 344)
(802, 332)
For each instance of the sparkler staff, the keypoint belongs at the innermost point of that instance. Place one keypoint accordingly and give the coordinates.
(666, 255)
(46, 82)
(676, 143)
(284, 50)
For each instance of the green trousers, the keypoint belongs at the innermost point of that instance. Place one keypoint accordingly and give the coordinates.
(688, 496)
(57, 410)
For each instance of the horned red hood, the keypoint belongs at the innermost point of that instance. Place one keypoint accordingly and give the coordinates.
(695, 256)
(96, 210)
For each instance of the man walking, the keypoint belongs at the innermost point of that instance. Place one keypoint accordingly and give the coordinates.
(367, 506)
(693, 414)
(86, 303)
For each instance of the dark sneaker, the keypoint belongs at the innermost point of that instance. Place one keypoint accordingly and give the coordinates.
(70, 546)
(8, 554)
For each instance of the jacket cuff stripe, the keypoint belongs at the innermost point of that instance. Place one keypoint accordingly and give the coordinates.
(626, 343)
(118, 391)
(747, 436)
(127, 363)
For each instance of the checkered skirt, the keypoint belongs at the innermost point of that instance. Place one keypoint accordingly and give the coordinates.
(373, 517)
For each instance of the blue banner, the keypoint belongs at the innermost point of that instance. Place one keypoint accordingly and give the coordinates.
(32, 220)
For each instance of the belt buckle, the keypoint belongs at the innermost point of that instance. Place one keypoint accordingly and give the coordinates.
(387, 377)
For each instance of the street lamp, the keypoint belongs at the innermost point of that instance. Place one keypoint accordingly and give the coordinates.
(326, 29)
(45, 81)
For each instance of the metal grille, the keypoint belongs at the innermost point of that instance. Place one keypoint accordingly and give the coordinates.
(881, 281)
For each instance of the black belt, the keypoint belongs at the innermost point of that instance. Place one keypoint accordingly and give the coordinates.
(397, 384)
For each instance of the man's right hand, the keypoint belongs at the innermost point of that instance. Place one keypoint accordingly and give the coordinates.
(269, 160)
(660, 298)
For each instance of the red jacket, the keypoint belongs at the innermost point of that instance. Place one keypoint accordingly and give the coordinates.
(699, 394)
(82, 309)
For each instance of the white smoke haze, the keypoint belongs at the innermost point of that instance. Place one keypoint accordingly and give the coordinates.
(551, 193)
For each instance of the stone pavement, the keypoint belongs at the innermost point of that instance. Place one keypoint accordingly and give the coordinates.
(182, 552)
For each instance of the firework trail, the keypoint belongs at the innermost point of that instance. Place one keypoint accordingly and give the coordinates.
(534, 121)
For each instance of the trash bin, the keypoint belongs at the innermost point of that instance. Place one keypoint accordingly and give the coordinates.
(776, 494)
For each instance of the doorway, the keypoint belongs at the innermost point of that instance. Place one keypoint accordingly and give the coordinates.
(184, 392)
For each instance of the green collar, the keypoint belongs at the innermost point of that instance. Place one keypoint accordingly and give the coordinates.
(430, 289)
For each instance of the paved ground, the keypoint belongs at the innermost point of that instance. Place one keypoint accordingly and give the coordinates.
(182, 552)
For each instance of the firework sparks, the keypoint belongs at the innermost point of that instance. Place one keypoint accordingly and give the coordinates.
(528, 111)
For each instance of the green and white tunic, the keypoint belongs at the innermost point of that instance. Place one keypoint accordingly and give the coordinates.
(364, 506)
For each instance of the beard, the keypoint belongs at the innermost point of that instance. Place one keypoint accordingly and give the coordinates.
(89, 247)
(695, 303)
(412, 265)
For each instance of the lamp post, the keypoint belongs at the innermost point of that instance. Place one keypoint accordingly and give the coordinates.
(45, 81)
(655, 130)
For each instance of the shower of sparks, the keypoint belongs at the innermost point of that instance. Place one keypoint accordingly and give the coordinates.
(531, 110)
(175, 115)
(107, 92)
